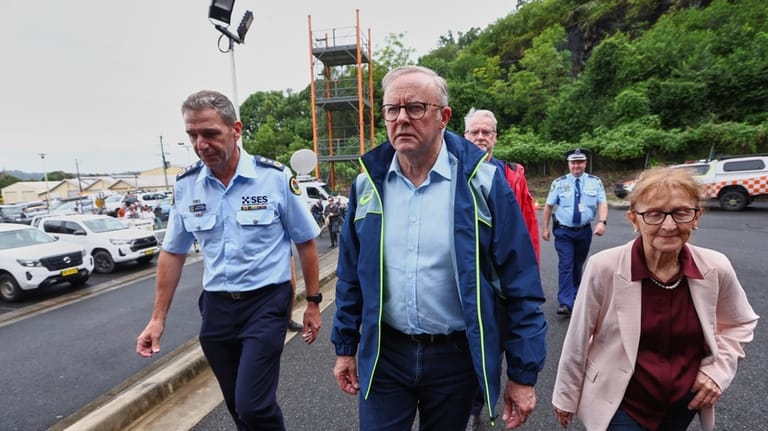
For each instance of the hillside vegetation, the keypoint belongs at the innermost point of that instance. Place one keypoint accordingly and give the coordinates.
(638, 82)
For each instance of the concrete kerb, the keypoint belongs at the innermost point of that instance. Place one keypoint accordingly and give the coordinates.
(143, 392)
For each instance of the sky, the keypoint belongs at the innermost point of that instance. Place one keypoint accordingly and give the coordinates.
(96, 85)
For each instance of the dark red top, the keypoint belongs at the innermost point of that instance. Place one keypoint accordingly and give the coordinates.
(671, 342)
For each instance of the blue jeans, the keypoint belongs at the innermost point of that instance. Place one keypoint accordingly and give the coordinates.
(436, 378)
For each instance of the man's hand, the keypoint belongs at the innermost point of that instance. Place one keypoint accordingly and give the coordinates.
(519, 401)
(545, 233)
(312, 323)
(148, 342)
(345, 372)
(599, 229)
(706, 390)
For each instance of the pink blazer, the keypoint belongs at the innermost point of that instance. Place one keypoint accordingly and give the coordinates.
(601, 343)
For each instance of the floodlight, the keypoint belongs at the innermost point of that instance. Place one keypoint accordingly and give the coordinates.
(221, 10)
(245, 24)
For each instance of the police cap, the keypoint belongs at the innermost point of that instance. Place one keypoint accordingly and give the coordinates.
(576, 154)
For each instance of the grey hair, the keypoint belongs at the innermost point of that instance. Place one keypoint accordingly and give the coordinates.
(479, 113)
(209, 99)
(397, 72)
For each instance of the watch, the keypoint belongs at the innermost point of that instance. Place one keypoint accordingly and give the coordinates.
(315, 298)
(605, 222)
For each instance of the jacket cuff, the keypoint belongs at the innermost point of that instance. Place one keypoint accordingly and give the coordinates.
(523, 377)
(346, 349)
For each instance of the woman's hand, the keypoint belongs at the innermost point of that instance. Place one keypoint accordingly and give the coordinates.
(706, 390)
(564, 417)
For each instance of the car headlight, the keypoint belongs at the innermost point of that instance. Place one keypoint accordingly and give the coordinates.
(29, 263)
(120, 241)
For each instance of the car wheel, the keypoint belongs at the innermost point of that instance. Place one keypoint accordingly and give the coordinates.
(145, 259)
(733, 200)
(102, 262)
(9, 289)
(79, 281)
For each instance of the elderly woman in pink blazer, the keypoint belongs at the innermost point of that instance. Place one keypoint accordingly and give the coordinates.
(658, 326)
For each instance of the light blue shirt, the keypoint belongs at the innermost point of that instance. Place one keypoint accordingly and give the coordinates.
(561, 194)
(420, 287)
(245, 229)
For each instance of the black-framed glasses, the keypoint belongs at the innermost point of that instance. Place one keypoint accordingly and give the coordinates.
(680, 215)
(415, 110)
(480, 132)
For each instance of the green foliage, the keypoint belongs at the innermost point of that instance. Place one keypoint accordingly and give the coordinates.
(7, 179)
(629, 79)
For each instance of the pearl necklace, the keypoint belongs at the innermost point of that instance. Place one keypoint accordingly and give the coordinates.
(664, 286)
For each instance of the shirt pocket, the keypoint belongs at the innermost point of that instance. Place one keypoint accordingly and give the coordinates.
(252, 218)
(590, 197)
(199, 224)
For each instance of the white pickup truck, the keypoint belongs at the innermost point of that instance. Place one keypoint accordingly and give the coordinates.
(734, 181)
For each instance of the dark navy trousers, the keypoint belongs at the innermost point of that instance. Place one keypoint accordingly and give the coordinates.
(572, 248)
(437, 378)
(242, 339)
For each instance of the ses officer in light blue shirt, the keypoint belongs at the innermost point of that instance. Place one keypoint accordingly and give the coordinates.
(244, 211)
(576, 199)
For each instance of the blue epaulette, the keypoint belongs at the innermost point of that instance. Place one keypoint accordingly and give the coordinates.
(191, 169)
(263, 161)
(592, 176)
(561, 178)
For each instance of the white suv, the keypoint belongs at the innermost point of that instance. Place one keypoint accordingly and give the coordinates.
(30, 259)
(107, 239)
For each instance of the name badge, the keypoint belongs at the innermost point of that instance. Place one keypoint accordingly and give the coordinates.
(197, 208)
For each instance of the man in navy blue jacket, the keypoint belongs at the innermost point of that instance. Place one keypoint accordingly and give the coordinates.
(433, 254)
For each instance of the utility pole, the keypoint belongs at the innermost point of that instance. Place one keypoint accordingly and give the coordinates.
(165, 163)
(79, 183)
(45, 168)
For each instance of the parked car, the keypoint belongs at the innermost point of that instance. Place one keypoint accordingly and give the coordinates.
(151, 198)
(696, 168)
(110, 241)
(734, 181)
(31, 259)
(314, 190)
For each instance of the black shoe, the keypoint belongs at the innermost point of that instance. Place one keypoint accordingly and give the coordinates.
(295, 326)
(564, 310)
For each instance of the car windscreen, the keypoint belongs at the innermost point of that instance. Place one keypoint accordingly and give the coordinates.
(106, 224)
(23, 238)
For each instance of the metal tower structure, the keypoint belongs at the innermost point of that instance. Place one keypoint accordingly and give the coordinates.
(342, 95)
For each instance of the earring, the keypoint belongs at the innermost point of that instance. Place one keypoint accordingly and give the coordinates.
(636, 230)
(695, 227)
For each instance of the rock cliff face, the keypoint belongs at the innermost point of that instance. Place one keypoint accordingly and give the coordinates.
(585, 29)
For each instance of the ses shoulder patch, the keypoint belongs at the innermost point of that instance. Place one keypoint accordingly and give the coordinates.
(295, 186)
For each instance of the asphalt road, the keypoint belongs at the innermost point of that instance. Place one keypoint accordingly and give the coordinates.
(311, 401)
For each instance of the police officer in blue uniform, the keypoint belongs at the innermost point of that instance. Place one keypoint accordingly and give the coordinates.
(576, 199)
(245, 211)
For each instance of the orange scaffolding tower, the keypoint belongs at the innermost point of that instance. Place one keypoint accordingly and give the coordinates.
(341, 96)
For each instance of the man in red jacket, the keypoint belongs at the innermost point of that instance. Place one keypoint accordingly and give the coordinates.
(480, 129)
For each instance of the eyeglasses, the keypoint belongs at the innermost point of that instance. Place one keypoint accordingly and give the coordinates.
(415, 110)
(482, 132)
(680, 215)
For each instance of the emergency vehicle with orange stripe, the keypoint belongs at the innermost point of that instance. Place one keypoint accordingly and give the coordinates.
(734, 181)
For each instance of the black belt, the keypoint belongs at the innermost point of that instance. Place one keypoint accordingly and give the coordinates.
(455, 336)
(247, 293)
(575, 229)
